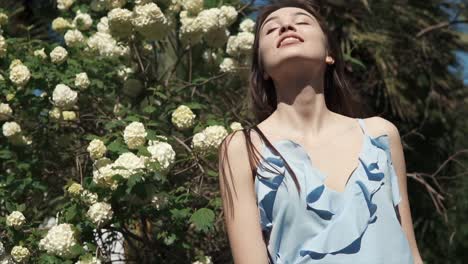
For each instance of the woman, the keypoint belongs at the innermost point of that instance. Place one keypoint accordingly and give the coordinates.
(329, 188)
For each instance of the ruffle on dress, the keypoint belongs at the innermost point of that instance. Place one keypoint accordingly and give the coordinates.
(338, 236)
(266, 188)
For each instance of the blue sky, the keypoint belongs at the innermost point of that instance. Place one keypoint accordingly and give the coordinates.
(462, 55)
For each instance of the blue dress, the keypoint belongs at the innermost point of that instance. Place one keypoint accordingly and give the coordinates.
(321, 225)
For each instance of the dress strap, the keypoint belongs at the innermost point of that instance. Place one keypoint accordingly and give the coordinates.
(362, 125)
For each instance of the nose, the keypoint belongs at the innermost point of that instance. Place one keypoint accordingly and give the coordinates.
(287, 26)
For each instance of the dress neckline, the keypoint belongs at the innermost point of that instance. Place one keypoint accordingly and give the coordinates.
(365, 141)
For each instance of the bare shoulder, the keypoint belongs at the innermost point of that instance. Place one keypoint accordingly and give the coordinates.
(377, 126)
(233, 149)
(236, 143)
(234, 156)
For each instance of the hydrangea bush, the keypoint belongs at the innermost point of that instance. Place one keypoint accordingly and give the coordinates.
(110, 134)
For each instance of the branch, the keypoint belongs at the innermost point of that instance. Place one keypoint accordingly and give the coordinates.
(436, 195)
(439, 26)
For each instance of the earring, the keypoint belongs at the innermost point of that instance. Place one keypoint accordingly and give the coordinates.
(329, 60)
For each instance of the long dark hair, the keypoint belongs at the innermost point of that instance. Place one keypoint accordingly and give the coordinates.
(263, 99)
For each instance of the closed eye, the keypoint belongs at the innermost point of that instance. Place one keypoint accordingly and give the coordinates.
(268, 32)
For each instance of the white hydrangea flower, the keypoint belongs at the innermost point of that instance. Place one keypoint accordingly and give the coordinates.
(55, 113)
(97, 5)
(120, 22)
(103, 25)
(64, 97)
(217, 38)
(193, 6)
(240, 44)
(183, 117)
(15, 63)
(19, 74)
(210, 138)
(69, 115)
(191, 30)
(58, 55)
(207, 260)
(228, 65)
(112, 4)
(158, 139)
(64, 4)
(124, 72)
(159, 201)
(60, 24)
(103, 171)
(236, 126)
(144, 2)
(5, 111)
(199, 142)
(96, 149)
(211, 19)
(88, 197)
(59, 241)
(162, 153)
(82, 21)
(135, 135)
(40, 53)
(209, 56)
(100, 213)
(3, 19)
(215, 135)
(2, 249)
(82, 80)
(106, 45)
(7, 260)
(89, 260)
(229, 13)
(48, 222)
(247, 25)
(149, 21)
(11, 129)
(3, 47)
(73, 37)
(16, 219)
(20, 254)
(75, 189)
(128, 164)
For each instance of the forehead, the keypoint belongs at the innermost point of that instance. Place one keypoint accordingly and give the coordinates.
(286, 11)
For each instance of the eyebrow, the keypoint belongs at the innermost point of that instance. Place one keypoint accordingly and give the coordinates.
(275, 17)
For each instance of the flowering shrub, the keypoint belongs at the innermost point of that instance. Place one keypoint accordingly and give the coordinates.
(108, 136)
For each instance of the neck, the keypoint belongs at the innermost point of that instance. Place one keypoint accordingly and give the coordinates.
(301, 105)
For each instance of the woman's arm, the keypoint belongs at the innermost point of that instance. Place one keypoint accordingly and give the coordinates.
(243, 227)
(399, 164)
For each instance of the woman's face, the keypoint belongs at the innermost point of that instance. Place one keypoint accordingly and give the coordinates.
(308, 51)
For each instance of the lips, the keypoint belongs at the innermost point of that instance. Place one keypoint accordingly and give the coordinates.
(287, 36)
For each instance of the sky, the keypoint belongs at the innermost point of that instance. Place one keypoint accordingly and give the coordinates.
(462, 56)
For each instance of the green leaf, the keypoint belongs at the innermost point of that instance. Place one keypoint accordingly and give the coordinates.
(178, 214)
(149, 109)
(354, 61)
(134, 179)
(21, 207)
(71, 213)
(212, 173)
(5, 154)
(203, 219)
(117, 146)
(77, 250)
(194, 105)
